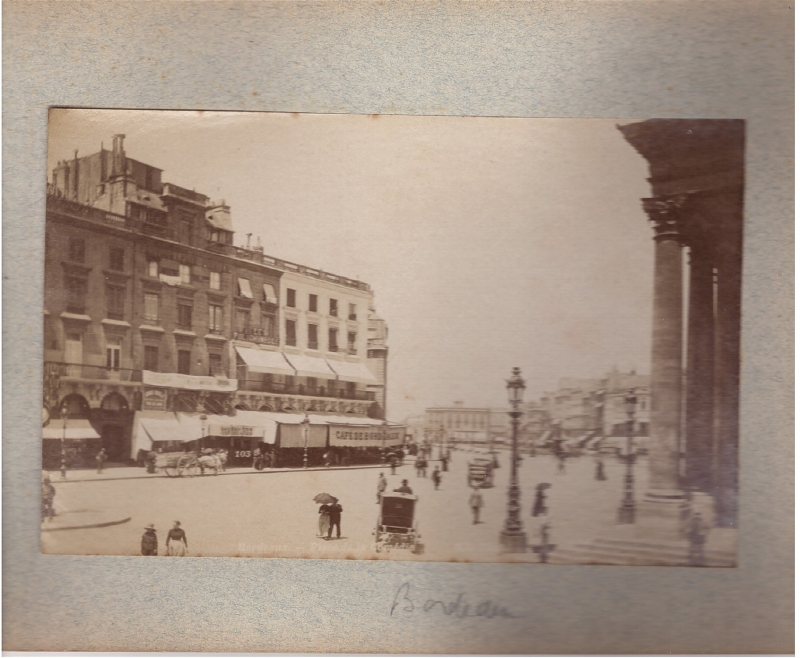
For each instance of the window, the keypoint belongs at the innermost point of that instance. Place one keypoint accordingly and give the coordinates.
(73, 348)
(77, 249)
(311, 385)
(351, 342)
(214, 281)
(116, 259)
(352, 313)
(268, 325)
(115, 297)
(184, 362)
(150, 307)
(242, 320)
(185, 316)
(113, 353)
(332, 388)
(215, 365)
(313, 342)
(76, 295)
(185, 272)
(269, 294)
(312, 303)
(291, 332)
(152, 268)
(244, 288)
(215, 318)
(151, 358)
(334, 307)
(351, 390)
(290, 297)
(333, 340)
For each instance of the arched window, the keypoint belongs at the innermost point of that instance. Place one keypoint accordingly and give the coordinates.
(114, 402)
(76, 405)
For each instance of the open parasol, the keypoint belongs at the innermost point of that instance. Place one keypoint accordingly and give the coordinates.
(542, 486)
(324, 499)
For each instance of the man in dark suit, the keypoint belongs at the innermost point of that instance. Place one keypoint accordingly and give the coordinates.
(336, 518)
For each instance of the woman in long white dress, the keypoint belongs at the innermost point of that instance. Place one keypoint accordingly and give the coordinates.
(324, 520)
(176, 541)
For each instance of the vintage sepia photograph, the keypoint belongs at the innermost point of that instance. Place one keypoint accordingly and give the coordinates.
(418, 338)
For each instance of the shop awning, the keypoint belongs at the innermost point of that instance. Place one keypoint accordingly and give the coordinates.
(76, 429)
(291, 436)
(244, 288)
(158, 426)
(310, 366)
(264, 361)
(245, 424)
(352, 372)
(269, 294)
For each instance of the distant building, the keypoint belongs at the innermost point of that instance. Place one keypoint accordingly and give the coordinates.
(459, 423)
(150, 310)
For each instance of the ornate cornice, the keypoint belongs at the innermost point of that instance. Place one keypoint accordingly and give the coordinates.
(665, 215)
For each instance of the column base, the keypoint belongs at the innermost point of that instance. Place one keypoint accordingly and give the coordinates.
(663, 514)
(513, 541)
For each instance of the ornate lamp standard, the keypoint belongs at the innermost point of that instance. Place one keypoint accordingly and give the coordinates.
(627, 510)
(383, 441)
(64, 419)
(305, 423)
(512, 537)
(203, 419)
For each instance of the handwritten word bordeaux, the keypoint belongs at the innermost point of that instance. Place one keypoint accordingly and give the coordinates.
(458, 607)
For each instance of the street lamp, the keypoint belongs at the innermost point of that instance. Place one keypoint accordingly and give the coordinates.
(203, 419)
(627, 510)
(383, 441)
(64, 419)
(512, 537)
(305, 423)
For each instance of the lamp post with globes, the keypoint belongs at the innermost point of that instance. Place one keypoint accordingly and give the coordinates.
(512, 537)
(305, 423)
(64, 419)
(627, 509)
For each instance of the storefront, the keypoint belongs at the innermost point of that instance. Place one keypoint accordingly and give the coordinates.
(81, 443)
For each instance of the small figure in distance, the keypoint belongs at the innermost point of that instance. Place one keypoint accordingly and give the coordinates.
(149, 540)
(404, 488)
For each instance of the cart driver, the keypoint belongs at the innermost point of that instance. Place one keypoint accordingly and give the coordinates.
(404, 488)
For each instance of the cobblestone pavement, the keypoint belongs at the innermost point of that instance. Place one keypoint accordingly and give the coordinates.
(271, 514)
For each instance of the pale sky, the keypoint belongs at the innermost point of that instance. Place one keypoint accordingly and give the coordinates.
(489, 242)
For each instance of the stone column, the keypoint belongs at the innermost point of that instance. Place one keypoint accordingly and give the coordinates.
(700, 372)
(662, 512)
(726, 381)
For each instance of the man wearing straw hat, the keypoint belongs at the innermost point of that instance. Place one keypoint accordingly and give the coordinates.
(149, 540)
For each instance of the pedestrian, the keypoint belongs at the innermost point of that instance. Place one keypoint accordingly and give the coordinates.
(698, 531)
(324, 520)
(539, 508)
(326, 458)
(599, 469)
(424, 467)
(436, 476)
(393, 464)
(336, 519)
(101, 459)
(445, 459)
(222, 459)
(152, 460)
(545, 547)
(562, 462)
(476, 502)
(404, 488)
(177, 545)
(48, 496)
(63, 468)
(149, 540)
(381, 486)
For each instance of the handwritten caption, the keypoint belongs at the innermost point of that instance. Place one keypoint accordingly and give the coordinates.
(406, 602)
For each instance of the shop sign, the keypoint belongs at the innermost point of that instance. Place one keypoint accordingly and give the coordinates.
(236, 430)
(155, 399)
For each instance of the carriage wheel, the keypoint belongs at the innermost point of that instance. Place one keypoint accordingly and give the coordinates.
(188, 466)
(172, 471)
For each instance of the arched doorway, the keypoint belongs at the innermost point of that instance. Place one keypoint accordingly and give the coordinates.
(76, 406)
(115, 442)
(114, 402)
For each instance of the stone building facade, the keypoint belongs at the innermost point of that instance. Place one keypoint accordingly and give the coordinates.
(149, 307)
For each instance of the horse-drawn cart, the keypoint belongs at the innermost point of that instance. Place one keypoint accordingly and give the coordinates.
(481, 473)
(178, 464)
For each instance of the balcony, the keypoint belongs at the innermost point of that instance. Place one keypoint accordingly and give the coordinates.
(256, 335)
(82, 371)
(301, 389)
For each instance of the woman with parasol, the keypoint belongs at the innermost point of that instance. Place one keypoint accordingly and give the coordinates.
(539, 507)
(325, 501)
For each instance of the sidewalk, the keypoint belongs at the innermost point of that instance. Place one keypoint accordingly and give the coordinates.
(83, 518)
(136, 472)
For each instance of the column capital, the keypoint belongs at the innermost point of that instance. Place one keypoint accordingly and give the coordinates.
(665, 215)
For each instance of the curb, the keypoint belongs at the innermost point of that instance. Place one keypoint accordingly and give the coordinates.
(104, 524)
(247, 472)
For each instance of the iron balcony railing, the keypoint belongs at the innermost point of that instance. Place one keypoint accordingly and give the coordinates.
(262, 386)
(83, 371)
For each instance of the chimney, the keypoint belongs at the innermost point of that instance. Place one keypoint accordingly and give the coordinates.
(118, 156)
